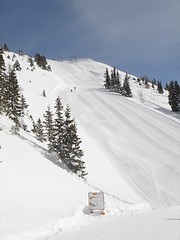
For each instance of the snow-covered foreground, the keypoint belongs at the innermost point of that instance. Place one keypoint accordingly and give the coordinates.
(131, 153)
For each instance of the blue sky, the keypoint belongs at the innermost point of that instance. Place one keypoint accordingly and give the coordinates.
(140, 37)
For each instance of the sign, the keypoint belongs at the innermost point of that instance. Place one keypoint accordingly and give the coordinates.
(96, 200)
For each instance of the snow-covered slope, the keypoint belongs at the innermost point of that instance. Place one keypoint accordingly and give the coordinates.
(131, 152)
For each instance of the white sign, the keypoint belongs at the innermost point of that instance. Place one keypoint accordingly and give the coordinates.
(96, 200)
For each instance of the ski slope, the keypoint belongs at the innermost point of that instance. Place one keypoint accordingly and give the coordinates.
(131, 153)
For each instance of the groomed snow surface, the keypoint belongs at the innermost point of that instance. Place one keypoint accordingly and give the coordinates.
(132, 154)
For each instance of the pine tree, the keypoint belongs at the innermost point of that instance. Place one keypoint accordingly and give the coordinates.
(41, 61)
(72, 150)
(160, 88)
(39, 131)
(12, 95)
(59, 129)
(3, 78)
(49, 128)
(77, 154)
(113, 79)
(17, 66)
(31, 63)
(118, 87)
(174, 96)
(5, 48)
(107, 79)
(23, 105)
(126, 87)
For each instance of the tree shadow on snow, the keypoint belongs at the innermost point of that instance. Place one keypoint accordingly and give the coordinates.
(52, 157)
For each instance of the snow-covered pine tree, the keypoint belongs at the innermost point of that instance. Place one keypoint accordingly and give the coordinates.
(31, 62)
(72, 150)
(59, 128)
(17, 66)
(49, 128)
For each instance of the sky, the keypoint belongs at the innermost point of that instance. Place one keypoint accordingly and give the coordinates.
(140, 37)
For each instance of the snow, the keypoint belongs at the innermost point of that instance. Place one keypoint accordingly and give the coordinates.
(131, 151)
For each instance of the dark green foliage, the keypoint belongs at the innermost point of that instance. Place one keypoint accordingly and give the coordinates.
(49, 128)
(5, 48)
(17, 66)
(13, 97)
(59, 129)
(174, 96)
(39, 131)
(160, 88)
(166, 87)
(42, 62)
(3, 78)
(23, 105)
(61, 134)
(126, 87)
(31, 62)
(107, 79)
(113, 83)
(72, 150)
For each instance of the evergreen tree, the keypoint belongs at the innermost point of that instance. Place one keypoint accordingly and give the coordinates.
(72, 150)
(174, 96)
(118, 87)
(23, 105)
(113, 78)
(41, 61)
(126, 87)
(107, 79)
(5, 48)
(17, 66)
(160, 88)
(44, 93)
(12, 95)
(167, 87)
(59, 129)
(31, 62)
(49, 128)
(39, 131)
(3, 78)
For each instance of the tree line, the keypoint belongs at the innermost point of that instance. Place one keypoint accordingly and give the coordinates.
(112, 82)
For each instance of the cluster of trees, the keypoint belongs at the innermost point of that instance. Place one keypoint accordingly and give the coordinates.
(58, 129)
(174, 95)
(113, 83)
(42, 62)
(60, 132)
(12, 101)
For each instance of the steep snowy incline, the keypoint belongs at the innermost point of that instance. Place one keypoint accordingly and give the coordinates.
(132, 142)
(131, 153)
